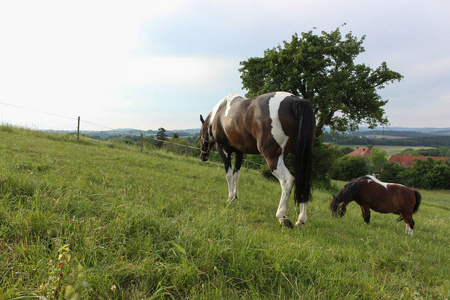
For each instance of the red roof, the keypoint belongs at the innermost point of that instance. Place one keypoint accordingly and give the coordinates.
(360, 151)
(408, 160)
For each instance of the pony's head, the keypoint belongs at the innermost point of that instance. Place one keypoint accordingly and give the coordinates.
(346, 195)
(205, 139)
(337, 207)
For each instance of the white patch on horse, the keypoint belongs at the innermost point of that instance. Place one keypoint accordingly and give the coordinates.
(230, 177)
(286, 181)
(227, 99)
(408, 230)
(385, 184)
(277, 130)
(302, 216)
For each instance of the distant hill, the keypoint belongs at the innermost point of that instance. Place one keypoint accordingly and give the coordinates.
(394, 136)
(123, 132)
(404, 131)
(387, 133)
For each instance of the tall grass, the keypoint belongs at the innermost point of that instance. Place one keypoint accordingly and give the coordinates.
(104, 221)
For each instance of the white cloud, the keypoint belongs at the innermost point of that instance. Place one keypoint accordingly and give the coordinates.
(173, 70)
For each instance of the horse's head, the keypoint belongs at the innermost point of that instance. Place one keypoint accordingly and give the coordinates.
(337, 207)
(206, 140)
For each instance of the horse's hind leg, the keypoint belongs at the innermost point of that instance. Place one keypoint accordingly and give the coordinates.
(302, 216)
(366, 214)
(286, 181)
(237, 166)
(409, 223)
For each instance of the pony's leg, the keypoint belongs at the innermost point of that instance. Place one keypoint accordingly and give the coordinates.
(226, 158)
(286, 181)
(237, 166)
(366, 214)
(302, 216)
(409, 224)
(408, 229)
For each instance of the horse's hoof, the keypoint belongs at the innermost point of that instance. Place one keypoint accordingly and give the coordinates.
(286, 223)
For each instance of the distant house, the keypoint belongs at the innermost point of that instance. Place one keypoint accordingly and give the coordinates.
(408, 160)
(361, 151)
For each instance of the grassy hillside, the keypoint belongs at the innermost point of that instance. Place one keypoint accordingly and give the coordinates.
(104, 221)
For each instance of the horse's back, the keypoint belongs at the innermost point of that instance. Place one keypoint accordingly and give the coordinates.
(387, 197)
(247, 123)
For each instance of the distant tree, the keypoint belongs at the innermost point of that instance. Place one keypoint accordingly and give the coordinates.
(322, 69)
(444, 151)
(161, 136)
(409, 151)
(176, 136)
(429, 152)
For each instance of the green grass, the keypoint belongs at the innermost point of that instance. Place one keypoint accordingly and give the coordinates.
(104, 221)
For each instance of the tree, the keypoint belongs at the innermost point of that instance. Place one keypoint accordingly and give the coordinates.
(378, 158)
(322, 70)
(161, 136)
(391, 172)
(349, 167)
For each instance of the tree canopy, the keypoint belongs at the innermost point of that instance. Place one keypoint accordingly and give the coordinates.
(322, 69)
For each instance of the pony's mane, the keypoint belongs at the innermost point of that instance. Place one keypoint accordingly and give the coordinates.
(350, 190)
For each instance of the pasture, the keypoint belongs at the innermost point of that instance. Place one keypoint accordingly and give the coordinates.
(392, 150)
(104, 221)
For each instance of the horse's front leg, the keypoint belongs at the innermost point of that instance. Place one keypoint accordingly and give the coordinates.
(226, 158)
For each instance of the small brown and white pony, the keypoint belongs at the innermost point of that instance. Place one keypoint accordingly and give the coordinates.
(370, 193)
(272, 124)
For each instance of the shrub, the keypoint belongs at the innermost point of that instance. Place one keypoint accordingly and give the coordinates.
(439, 177)
(391, 172)
(427, 174)
(349, 167)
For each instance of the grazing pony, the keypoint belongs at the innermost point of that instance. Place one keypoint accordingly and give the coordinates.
(272, 124)
(370, 193)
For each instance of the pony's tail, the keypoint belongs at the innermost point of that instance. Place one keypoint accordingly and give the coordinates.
(418, 199)
(305, 122)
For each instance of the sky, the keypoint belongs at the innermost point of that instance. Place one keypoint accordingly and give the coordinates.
(151, 64)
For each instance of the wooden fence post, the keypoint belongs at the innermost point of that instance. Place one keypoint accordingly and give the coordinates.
(78, 130)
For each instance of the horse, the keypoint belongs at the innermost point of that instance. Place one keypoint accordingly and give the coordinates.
(273, 125)
(382, 197)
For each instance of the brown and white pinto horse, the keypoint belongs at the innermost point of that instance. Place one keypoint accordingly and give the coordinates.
(370, 193)
(272, 124)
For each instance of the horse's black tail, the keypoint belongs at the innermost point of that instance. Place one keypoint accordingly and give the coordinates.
(418, 199)
(304, 115)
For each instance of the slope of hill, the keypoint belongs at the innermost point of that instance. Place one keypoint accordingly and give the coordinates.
(103, 220)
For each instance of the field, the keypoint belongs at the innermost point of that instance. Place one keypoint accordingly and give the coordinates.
(102, 220)
(392, 150)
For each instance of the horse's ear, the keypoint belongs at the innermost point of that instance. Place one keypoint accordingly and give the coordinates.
(201, 119)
